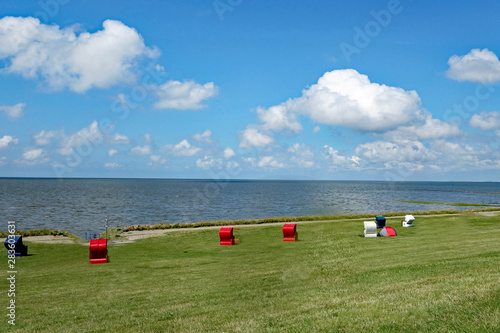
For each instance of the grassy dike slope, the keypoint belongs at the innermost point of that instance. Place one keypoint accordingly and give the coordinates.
(441, 276)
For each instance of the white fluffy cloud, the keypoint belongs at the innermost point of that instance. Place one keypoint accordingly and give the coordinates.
(278, 117)
(141, 150)
(183, 148)
(208, 162)
(481, 66)
(457, 155)
(43, 137)
(403, 151)
(269, 162)
(63, 58)
(205, 137)
(118, 139)
(346, 98)
(302, 155)
(112, 165)
(88, 136)
(429, 129)
(232, 165)
(486, 120)
(33, 154)
(337, 160)
(253, 137)
(187, 95)
(229, 153)
(13, 111)
(112, 152)
(157, 161)
(249, 161)
(7, 140)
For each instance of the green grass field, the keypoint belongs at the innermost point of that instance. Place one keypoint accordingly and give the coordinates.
(443, 275)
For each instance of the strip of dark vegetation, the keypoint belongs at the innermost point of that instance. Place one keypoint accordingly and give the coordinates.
(41, 232)
(457, 204)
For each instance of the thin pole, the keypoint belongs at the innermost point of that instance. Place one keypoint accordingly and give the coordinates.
(106, 228)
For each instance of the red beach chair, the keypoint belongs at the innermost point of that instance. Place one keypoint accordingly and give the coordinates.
(98, 251)
(226, 236)
(290, 232)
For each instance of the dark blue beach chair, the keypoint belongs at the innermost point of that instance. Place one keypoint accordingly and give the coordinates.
(19, 248)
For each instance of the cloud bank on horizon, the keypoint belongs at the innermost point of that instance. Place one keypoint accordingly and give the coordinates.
(104, 105)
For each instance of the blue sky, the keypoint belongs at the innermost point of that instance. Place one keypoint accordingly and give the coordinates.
(363, 90)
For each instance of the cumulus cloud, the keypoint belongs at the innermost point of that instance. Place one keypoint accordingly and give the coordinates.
(183, 148)
(208, 162)
(205, 137)
(6, 140)
(148, 139)
(486, 120)
(187, 95)
(429, 129)
(456, 155)
(44, 137)
(340, 98)
(13, 111)
(157, 161)
(63, 58)
(269, 162)
(346, 98)
(249, 160)
(403, 151)
(88, 136)
(118, 139)
(481, 66)
(229, 153)
(278, 117)
(232, 165)
(34, 156)
(122, 100)
(302, 155)
(339, 161)
(112, 165)
(112, 152)
(141, 150)
(253, 137)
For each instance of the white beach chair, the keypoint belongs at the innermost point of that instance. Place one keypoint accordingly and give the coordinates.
(408, 221)
(370, 229)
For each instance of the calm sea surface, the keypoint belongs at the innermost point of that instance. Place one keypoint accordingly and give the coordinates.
(80, 205)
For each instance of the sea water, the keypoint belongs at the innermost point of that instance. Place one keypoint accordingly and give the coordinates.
(80, 205)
